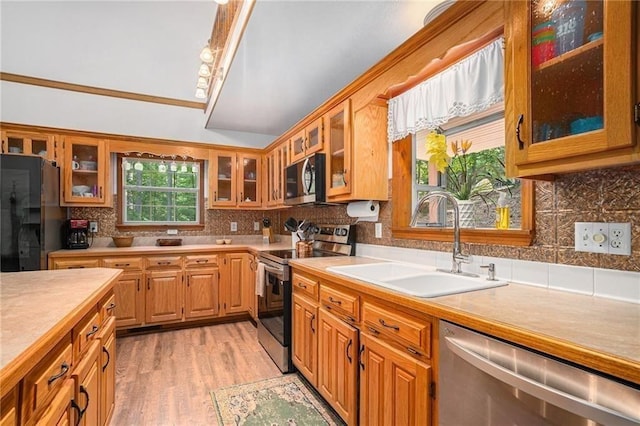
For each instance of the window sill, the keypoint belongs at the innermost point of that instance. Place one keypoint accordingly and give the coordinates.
(156, 227)
(512, 237)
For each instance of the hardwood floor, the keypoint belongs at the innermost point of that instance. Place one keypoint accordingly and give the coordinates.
(165, 378)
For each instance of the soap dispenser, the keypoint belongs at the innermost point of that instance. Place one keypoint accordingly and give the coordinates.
(502, 212)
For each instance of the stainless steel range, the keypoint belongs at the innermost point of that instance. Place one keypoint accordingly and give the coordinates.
(274, 299)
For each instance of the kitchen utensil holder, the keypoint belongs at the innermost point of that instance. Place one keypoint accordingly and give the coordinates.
(304, 248)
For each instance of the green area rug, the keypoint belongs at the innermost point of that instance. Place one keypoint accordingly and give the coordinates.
(281, 401)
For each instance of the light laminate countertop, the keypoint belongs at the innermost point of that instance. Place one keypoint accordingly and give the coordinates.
(595, 332)
(158, 250)
(37, 308)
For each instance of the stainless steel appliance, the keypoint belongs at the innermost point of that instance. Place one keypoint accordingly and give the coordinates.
(486, 381)
(30, 213)
(274, 305)
(305, 181)
(76, 234)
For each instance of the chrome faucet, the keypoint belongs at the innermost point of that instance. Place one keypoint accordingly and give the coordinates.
(458, 257)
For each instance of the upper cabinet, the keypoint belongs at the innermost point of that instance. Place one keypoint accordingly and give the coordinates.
(234, 179)
(85, 172)
(29, 143)
(570, 85)
(307, 141)
(275, 162)
(357, 152)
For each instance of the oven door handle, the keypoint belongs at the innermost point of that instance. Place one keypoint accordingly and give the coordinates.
(273, 270)
(561, 399)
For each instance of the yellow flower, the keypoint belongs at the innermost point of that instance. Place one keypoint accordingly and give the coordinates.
(466, 146)
(437, 150)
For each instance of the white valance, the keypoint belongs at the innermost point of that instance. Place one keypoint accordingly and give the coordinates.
(471, 85)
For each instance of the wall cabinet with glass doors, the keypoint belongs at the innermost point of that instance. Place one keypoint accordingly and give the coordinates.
(85, 172)
(307, 141)
(275, 162)
(234, 179)
(571, 73)
(29, 143)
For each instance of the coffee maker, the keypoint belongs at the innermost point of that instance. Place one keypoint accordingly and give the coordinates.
(76, 234)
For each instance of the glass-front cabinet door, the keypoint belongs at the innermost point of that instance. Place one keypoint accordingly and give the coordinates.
(572, 79)
(298, 146)
(222, 178)
(314, 137)
(85, 168)
(29, 143)
(338, 133)
(248, 174)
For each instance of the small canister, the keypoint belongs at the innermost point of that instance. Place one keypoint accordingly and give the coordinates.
(304, 248)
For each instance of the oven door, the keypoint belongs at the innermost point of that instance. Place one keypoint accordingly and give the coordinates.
(274, 306)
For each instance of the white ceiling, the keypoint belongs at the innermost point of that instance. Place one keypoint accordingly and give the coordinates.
(294, 54)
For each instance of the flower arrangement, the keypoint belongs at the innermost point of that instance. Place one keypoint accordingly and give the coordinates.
(466, 179)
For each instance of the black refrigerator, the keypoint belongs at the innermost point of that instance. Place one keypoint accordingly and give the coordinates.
(30, 212)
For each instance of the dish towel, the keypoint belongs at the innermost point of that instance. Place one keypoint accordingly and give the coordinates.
(260, 280)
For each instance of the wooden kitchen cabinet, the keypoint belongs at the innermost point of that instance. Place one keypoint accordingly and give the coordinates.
(307, 141)
(30, 143)
(201, 293)
(234, 179)
(59, 412)
(305, 337)
(9, 408)
(394, 387)
(275, 162)
(129, 290)
(362, 173)
(249, 169)
(85, 172)
(251, 296)
(555, 127)
(107, 370)
(164, 296)
(338, 365)
(86, 377)
(235, 283)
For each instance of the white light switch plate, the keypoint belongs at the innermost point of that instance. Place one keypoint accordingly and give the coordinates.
(234, 226)
(601, 237)
(378, 230)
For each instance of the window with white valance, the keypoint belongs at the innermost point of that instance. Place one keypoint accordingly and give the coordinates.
(471, 85)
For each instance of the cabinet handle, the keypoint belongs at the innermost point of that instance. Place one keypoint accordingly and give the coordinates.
(413, 351)
(384, 324)
(122, 264)
(86, 395)
(360, 357)
(347, 351)
(302, 285)
(148, 283)
(163, 262)
(313, 330)
(76, 267)
(79, 412)
(138, 281)
(93, 331)
(241, 196)
(104, 367)
(373, 331)
(64, 368)
(202, 260)
(344, 173)
(215, 195)
(520, 141)
(111, 307)
(636, 113)
(334, 301)
(100, 192)
(188, 280)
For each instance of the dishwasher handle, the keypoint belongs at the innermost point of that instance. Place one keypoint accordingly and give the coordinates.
(539, 390)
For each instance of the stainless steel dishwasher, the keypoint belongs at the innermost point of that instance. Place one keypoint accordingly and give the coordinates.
(486, 381)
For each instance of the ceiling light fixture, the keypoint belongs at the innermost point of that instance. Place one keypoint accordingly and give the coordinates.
(203, 83)
(200, 93)
(204, 71)
(222, 1)
(206, 55)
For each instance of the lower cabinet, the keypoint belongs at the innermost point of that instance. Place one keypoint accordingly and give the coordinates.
(201, 293)
(163, 301)
(86, 377)
(393, 386)
(305, 341)
(129, 292)
(338, 366)
(237, 279)
(107, 366)
(62, 411)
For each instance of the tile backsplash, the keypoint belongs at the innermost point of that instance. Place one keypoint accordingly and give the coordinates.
(608, 195)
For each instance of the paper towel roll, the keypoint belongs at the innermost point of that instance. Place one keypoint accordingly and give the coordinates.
(365, 211)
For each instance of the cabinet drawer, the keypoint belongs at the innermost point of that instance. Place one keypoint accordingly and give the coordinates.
(107, 308)
(399, 326)
(46, 378)
(57, 412)
(340, 302)
(84, 333)
(201, 260)
(75, 263)
(9, 408)
(164, 261)
(305, 285)
(124, 263)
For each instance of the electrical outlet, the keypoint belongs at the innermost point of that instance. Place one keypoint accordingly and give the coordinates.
(378, 230)
(256, 226)
(172, 232)
(620, 238)
(93, 227)
(234, 226)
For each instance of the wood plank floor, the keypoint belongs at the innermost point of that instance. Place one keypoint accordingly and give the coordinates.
(165, 378)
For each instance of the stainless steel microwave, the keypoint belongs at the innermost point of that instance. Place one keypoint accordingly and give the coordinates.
(305, 181)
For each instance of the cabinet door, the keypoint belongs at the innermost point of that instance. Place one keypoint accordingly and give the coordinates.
(9, 408)
(29, 143)
(202, 292)
(222, 179)
(87, 381)
(393, 386)
(270, 181)
(107, 371)
(164, 296)
(235, 293)
(298, 146)
(338, 365)
(571, 81)
(314, 137)
(250, 289)
(59, 410)
(129, 293)
(86, 164)
(305, 340)
(249, 179)
(338, 133)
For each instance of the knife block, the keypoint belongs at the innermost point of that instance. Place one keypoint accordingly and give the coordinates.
(267, 235)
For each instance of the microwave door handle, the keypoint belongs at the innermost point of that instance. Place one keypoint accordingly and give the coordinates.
(305, 188)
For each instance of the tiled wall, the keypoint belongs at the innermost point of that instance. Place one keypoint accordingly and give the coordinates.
(611, 195)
